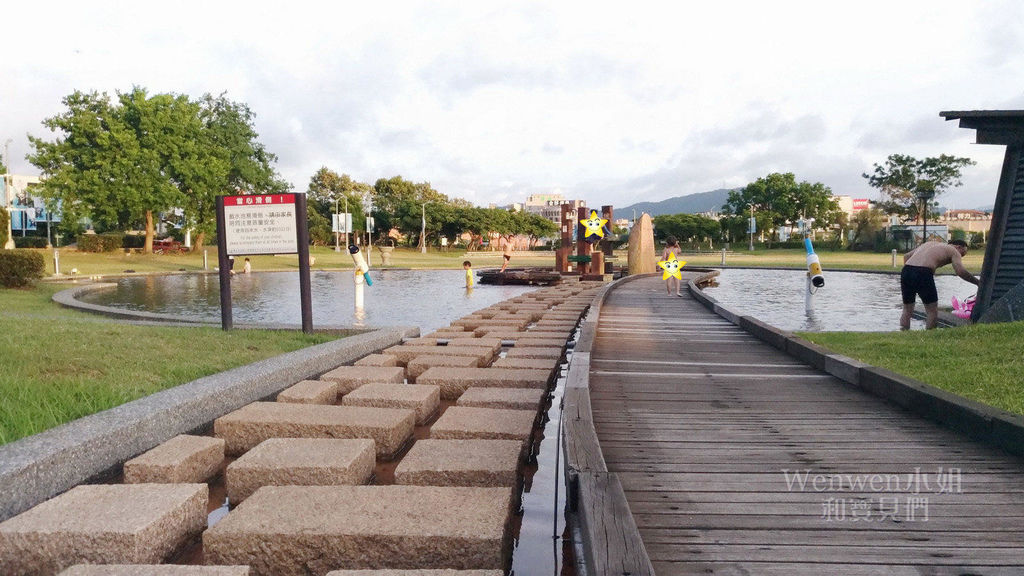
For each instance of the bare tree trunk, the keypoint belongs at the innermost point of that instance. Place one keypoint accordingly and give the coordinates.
(150, 232)
(200, 242)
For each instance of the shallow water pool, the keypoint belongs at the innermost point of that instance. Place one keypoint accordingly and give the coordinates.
(849, 301)
(429, 299)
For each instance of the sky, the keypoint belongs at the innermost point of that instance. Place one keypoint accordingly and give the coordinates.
(611, 102)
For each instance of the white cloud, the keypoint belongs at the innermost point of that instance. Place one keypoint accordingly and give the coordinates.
(613, 102)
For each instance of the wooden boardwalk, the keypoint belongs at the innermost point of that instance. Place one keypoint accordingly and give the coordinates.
(737, 459)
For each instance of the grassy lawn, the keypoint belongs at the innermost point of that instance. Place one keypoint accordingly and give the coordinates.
(57, 364)
(91, 264)
(981, 362)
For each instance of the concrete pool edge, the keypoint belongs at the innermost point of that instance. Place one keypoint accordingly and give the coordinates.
(41, 466)
(979, 421)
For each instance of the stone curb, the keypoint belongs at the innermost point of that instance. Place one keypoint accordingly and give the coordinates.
(979, 421)
(39, 467)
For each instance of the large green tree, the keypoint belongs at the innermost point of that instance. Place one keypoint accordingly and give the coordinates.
(779, 200)
(329, 191)
(903, 178)
(686, 227)
(119, 162)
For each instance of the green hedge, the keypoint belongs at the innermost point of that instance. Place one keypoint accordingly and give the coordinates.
(29, 242)
(20, 267)
(133, 241)
(4, 218)
(100, 242)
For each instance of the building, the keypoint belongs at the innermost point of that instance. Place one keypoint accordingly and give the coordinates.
(850, 205)
(970, 221)
(26, 210)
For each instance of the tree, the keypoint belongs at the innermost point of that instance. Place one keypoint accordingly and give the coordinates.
(686, 227)
(328, 191)
(110, 163)
(228, 159)
(903, 178)
(120, 162)
(779, 200)
(866, 224)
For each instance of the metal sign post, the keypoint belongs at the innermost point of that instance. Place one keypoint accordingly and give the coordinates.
(263, 224)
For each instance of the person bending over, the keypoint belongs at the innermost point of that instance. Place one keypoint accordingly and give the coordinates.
(918, 277)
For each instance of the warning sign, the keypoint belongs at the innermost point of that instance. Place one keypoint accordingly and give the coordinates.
(260, 224)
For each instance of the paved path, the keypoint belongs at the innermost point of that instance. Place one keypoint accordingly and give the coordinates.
(738, 459)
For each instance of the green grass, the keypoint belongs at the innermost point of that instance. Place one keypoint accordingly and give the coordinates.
(981, 362)
(57, 364)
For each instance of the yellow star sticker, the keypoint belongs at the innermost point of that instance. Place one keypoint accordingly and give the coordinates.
(595, 224)
(672, 267)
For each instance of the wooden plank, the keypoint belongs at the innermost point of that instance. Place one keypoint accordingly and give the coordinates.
(699, 421)
(613, 542)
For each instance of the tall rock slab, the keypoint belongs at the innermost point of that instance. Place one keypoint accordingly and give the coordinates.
(640, 258)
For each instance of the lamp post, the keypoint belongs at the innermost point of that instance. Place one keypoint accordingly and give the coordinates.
(751, 227)
(925, 192)
(423, 230)
(9, 245)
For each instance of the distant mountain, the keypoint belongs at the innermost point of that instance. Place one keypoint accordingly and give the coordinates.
(690, 204)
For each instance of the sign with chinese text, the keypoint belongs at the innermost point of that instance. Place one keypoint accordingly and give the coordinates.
(860, 204)
(260, 224)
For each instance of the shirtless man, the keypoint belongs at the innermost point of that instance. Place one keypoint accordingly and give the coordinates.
(918, 277)
(507, 253)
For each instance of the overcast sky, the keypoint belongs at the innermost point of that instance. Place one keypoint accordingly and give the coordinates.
(612, 102)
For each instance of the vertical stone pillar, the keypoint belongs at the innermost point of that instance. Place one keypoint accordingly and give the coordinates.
(641, 259)
(582, 246)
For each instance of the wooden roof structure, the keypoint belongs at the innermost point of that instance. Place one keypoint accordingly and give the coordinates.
(1003, 268)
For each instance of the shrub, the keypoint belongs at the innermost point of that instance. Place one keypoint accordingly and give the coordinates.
(133, 241)
(100, 242)
(20, 267)
(4, 218)
(29, 242)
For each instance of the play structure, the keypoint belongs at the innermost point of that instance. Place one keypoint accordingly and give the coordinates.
(585, 250)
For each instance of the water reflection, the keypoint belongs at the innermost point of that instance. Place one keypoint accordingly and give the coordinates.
(425, 298)
(853, 301)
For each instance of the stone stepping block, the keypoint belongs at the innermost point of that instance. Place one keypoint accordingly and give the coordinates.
(300, 462)
(246, 427)
(351, 377)
(515, 335)
(421, 364)
(506, 398)
(502, 332)
(183, 459)
(464, 422)
(455, 381)
(474, 323)
(107, 524)
(377, 360)
(446, 332)
(416, 573)
(525, 342)
(467, 339)
(425, 401)
(153, 570)
(554, 326)
(311, 392)
(528, 352)
(531, 315)
(405, 354)
(493, 343)
(548, 364)
(301, 530)
(460, 463)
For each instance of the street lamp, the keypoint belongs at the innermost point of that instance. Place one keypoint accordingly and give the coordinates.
(750, 227)
(9, 245)
(925, 192)
(423, 230)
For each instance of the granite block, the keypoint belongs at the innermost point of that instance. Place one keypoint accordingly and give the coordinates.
(96, 523)
(300, 462)
(425, 401)
(460, 463)
(183, 459)
(311, 392)
(301, 530)
(246, 427)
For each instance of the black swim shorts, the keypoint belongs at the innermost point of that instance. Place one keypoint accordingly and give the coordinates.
(916, 280)
(507, 257)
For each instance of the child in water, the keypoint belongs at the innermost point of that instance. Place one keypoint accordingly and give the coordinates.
(469, 273)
